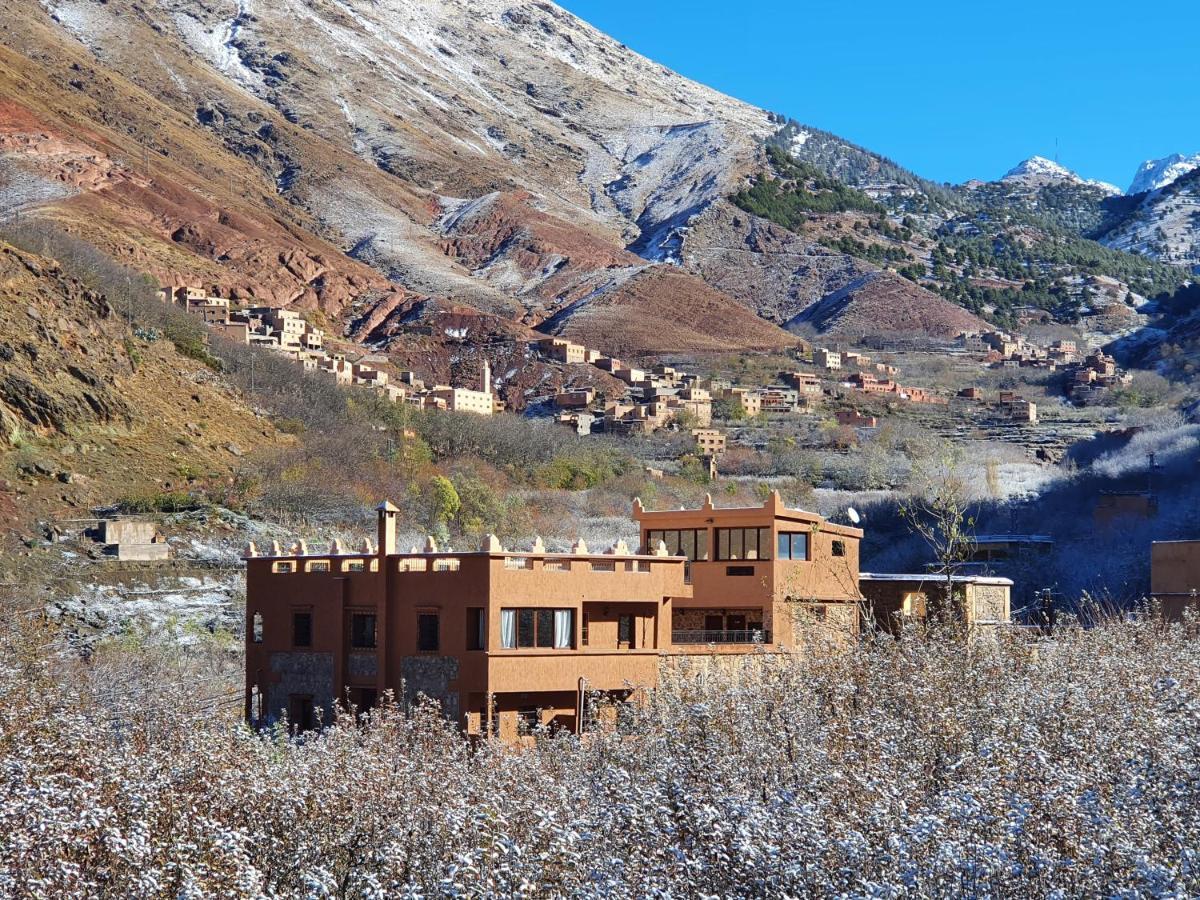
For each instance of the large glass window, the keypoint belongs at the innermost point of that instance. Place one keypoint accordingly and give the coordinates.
(542, 628)
(792, 545)
(689, 542)
(743, 543)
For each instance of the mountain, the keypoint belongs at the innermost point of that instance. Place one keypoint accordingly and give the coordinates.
(352, 156)
(1163, 223)
(1158, 173)
(1039, 170)
(389, 165)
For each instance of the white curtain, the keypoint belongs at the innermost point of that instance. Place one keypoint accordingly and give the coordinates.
(562, 628)
(508, 629)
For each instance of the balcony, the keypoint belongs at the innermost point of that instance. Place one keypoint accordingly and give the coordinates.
(750, 636)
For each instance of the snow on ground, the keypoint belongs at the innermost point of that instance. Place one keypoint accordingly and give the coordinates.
(89, 22)
(21, 189)
(182, 608)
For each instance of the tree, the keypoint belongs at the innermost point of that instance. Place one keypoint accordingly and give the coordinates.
(440, 504)
(940, 511)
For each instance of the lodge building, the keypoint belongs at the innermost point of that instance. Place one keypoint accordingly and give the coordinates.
(508, 640)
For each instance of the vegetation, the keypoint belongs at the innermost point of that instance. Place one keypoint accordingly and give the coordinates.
(918, 767)
(798, 190)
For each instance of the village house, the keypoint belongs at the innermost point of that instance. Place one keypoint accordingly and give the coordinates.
(830, 360)
(981, 603)
(456, 399)
(506, 641)
(1175, 577)
(709, 441)
(579, 398)
(562, 350)
(854, 419)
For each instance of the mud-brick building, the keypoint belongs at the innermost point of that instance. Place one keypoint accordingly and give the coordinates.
(1175, 577)
(980, 603)
(508, 640)
(501, 640)
(789, 574)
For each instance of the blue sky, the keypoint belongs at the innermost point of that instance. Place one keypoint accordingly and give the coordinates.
(950, 90)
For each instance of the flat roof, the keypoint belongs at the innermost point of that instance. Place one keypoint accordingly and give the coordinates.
(1013, 539)
(957, 579)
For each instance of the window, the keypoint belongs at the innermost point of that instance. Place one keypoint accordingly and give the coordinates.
(300, 712)
(689, 542)
(625, 631)
(543, 628)
(281, 568)
(428, 627)
(256, 631)
(792, 545)
(354, 565)
(317, 565)
(743, 543)
(476, 628)
(302, 629)
(362, 631)
(739, 571)
(839, 548)
(528, 720)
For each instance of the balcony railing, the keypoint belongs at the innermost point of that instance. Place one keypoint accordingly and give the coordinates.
(750, 636)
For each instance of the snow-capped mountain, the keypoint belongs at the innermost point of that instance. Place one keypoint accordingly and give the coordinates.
(1158, 173)
(1041, 170)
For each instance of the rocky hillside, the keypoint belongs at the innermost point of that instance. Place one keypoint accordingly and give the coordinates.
(91, 411)
(1163, 223)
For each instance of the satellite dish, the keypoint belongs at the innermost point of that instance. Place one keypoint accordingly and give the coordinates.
(853, 515)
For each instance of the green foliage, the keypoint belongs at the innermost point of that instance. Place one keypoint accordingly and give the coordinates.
(581, 470)
(168, 502)
(798, 190)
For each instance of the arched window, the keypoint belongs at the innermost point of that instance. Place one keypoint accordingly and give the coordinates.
(257, 632)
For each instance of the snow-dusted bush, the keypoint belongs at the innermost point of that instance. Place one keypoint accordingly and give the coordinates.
(921, 767)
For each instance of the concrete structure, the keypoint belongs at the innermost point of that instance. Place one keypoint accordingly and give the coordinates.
(132, 540)
(1175, 577)
(505, 640)
(980, 603)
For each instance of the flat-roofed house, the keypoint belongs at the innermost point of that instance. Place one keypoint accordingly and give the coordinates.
(1175, 577)
(762, 573)
(981, 603)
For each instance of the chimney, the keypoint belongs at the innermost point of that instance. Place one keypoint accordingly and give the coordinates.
(387, 527)
(487, 377)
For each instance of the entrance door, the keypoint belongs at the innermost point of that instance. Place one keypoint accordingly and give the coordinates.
(735, 623)
(714, 628)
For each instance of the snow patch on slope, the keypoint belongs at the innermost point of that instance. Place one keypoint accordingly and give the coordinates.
(660, 177)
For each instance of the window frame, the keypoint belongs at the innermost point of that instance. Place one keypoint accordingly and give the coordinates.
(436, 615)
(308, 614)
(540, 622)
(730, 539)
(476, 628)
(791, 546)
(355, 616)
